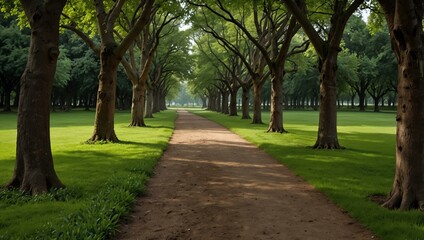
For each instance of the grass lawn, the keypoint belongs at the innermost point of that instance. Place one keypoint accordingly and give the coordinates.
(102, 179)
(348, 176)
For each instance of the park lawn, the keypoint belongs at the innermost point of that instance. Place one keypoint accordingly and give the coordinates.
(348, 176)
(101, 179)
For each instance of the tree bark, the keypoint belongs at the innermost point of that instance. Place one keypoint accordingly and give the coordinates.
(245, 103)
(233, 101)
(162, 102)
(224, 108)
(149, 104)
(327, 129)
(34, 171)
(257, 113)
(404, 20)
(156, 101)
(137, 106)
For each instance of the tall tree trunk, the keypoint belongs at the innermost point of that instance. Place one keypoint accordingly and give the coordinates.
(257, 113)
(105, 108)
(376, 101)
(404, 20)
(276, 113)
(233, 102)
(156, 100)
(162, 102)
(218, 103)
(245, 103)
(327, 130)
(224, 108)
(137, 106)
(361, 96)
(149, 104)
(34, 170)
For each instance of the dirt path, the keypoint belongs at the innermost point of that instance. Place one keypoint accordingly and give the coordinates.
(212, 184)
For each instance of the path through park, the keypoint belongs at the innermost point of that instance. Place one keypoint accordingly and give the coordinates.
(212, 184)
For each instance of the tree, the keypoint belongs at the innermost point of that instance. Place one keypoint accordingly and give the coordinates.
(138, 71)
(110, 52)
(34, 171)
(255, 63)
(327, 50)
(404, 21)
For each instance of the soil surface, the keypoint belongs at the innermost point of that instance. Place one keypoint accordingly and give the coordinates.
(212, 184)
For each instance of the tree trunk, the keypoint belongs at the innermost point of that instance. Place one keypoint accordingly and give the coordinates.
(218, 103)
(162, 101)
(257, 117)
(105, 108)
(233, 102)
(376, 107)
(224, 108)
(34, 170)
(149, 104)
(361, 96)
(276, 113)
(137, 106)
(204, 103)
(327, 130)
(156, 101)
(404, 19)
(245, 103)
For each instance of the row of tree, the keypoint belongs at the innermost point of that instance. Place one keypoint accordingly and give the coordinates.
(367, 71)
(244, 45)
(252, 41)
(135, 40)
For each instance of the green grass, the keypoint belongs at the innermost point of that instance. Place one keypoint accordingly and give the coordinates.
(348, 176)
(102, 179)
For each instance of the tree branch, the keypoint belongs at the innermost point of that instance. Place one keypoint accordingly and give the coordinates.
(137, 28)
(301, 17)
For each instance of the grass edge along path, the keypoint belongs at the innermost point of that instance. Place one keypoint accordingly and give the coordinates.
(102, 179)
(347, 177)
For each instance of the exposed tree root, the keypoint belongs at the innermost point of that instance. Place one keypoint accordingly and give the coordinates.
(405, 201)
(276, 130)
(35, 183)
(137, 124)
(327, 146)
(106, 137)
